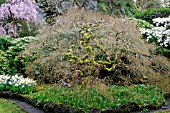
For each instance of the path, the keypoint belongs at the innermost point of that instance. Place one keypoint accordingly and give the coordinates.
(27, 107)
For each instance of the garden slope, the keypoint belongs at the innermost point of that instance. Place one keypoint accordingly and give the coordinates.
(138, 64)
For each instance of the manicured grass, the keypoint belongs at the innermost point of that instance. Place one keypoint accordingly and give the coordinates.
(100, 96)
(7, 106)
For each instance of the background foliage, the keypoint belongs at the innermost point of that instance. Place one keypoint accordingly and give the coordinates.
(117, 7)
(143, 5)
(150, 14)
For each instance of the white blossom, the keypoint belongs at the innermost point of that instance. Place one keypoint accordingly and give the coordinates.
(161, 31)
(16, 80)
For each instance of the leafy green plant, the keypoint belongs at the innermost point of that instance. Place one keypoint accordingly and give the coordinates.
(10, 49)
(5, 42)
(2, 2)
(163, 51)
(100, 96)
(143, 23)
(149, 14)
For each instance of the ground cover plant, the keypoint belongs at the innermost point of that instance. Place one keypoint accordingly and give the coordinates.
(17, 84)
(7, 106)
(100, 96)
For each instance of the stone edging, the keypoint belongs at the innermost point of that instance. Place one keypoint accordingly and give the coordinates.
(52, 107)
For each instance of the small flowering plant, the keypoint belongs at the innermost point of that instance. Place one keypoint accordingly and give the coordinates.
(17, 84)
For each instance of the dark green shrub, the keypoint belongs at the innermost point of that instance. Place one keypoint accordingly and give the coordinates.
(10, 49)
(149, 14)
(163, 51)
(2, 2)
(142, 23)
(4, 63)
(5, 42)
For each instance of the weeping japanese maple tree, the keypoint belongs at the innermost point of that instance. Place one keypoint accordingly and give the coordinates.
(15, 12)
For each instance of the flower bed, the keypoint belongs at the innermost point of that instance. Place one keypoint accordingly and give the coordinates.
(17, 84)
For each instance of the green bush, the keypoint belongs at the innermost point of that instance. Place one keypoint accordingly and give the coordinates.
(5, 42)
(142, 23)
(163, 51)
(150, 14)
(2, 2)
(10, 49)
(4, 63)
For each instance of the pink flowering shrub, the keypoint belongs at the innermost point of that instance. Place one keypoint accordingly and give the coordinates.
(13, 12)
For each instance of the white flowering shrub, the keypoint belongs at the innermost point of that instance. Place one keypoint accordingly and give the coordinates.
(160, 34)
(17, 84)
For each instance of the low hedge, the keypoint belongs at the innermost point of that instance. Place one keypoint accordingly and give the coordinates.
(149, 14)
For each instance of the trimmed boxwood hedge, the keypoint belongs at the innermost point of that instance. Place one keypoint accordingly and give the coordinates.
(149, 14)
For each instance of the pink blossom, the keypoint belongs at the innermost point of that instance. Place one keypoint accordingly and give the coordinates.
(13, 11)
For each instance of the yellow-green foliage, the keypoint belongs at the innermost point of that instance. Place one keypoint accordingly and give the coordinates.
(88, 34)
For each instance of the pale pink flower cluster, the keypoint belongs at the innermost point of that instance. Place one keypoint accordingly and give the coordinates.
(13, 11)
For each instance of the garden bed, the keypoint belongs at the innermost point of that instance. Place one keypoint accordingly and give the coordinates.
(70, 100)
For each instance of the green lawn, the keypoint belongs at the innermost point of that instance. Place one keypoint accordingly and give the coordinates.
(7, 106)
